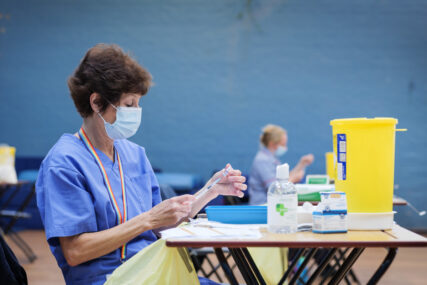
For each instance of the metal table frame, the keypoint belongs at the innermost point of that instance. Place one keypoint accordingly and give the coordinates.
(344, 259)
(13, 216)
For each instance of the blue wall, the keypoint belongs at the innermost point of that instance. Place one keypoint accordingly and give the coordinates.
(223, 69)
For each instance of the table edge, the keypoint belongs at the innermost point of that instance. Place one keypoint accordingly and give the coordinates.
(293, 244)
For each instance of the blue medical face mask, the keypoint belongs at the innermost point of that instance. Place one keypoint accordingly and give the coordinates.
(281, 150)
(127, 122)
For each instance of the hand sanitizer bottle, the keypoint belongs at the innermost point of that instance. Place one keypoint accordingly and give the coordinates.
(282, 201)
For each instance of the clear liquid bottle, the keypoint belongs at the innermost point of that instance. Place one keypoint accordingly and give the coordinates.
(282, 203)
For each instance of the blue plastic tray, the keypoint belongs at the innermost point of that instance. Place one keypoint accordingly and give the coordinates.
(237, 214)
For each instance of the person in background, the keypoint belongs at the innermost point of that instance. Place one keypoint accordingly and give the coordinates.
(274, 140)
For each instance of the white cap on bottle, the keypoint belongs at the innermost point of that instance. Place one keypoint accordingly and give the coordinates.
(282, 172)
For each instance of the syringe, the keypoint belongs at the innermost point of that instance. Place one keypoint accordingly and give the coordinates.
(205, 190)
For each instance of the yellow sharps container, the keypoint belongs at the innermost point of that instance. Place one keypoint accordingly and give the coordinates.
(364, 169)
(330, 171)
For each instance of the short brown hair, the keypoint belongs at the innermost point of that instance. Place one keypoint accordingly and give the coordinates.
(271, 133)
(108, 71)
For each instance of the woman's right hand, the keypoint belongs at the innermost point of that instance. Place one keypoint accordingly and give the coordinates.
(171, 211)
(307, 159)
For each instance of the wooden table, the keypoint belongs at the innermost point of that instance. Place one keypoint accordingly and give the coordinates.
(308, 243)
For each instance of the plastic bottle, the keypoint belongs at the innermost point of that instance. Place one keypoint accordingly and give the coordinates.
(282, 201)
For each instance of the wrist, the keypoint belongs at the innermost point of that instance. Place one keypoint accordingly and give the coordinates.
(145, 221)
(209, 194)
(213, 194)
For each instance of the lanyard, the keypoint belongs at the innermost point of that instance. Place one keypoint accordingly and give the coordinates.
(120, 219)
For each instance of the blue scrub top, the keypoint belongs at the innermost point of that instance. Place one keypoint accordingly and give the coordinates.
(72, 199)
(262, 174)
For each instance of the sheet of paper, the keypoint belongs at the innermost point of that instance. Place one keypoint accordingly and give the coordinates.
(206, 223)
(190, 231)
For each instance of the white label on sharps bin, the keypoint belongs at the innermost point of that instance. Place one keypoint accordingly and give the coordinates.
(339, 171)
(342, 156)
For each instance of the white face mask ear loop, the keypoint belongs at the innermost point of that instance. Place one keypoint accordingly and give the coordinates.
(111, 104)
(99, 114)
(114, 106)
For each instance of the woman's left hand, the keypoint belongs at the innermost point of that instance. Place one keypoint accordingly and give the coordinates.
(230, 185)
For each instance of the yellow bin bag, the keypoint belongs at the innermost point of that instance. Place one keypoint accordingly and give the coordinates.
(156, 264)
(7, 164)
(159, 264)
(271, 262)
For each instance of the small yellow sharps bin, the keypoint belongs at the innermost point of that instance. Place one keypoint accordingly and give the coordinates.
(364, 169)
(330, 171)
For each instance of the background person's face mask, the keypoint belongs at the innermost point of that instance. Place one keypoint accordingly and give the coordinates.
(127, 122)
(281, 150)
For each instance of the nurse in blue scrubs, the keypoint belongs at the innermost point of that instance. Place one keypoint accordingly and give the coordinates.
(96, 191)
(274, 141)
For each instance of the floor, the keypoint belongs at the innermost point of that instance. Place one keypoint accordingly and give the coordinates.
(409, 266)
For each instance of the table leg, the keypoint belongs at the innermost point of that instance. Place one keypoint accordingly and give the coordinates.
(26, 249)
(291, 267)
(253, 265)
(214, 270)
(325, 261)
(338, 262)
(346, 266)
(354, 277)
(197, 264)
(383, 267)
(12, 195)
(351, 272)
(243, 266)
(21, 208)
(307, 258)
(334, 268)
(8, 227)
(225, 267)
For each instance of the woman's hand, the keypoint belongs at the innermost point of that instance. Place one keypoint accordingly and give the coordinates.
(306, 160)
(297, 174)
(171, 211)
(230, 185)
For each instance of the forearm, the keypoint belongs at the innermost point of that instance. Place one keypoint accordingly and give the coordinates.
(300, 166)
(201, 201)
(296, 175)
(88, 246)
(229, 185)
(196, 206)
(294, 179)
(233, 186)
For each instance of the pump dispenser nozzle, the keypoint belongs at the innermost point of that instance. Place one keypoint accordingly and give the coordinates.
(282, 172)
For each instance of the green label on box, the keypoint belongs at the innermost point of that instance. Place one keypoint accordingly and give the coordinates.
(317, 180)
